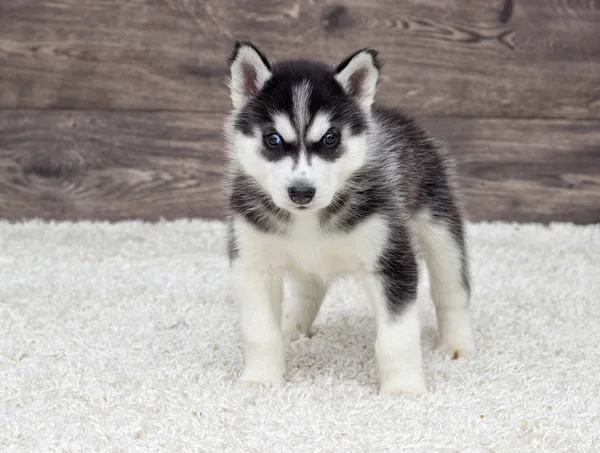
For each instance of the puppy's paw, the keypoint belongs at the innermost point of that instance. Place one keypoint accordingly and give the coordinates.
(456, 333)
(292, 329)
(403, 386)
(257, 382)
(458, 353)
(259, 378)
(458, 346)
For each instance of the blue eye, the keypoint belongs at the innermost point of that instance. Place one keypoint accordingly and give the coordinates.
(273, 140)
(330, 138)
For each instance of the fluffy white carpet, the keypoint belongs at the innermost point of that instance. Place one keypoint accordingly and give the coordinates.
(123, 338)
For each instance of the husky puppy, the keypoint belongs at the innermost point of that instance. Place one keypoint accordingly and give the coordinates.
(325, 183)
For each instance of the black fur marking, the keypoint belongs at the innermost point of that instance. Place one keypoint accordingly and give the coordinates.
(328, 153)
(256, 206)
(284, 150)
(361, 198)
(336, 207)
(399, 270)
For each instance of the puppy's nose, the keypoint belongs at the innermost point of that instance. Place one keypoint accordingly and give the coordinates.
(301, 194)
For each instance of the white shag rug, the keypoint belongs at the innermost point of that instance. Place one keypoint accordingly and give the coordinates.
(123, 338)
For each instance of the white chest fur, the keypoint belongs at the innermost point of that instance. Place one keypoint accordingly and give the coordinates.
(307, 248)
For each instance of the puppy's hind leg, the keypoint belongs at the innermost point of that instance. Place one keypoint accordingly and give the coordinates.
(442, 245)
(307, 293)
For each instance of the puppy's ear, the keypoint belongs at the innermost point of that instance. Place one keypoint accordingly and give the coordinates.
(358, 75)
(249, 72)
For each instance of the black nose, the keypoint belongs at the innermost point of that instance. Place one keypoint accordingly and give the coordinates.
(301, 194)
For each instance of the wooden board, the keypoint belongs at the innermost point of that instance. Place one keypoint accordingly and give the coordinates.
(469, 58)
(148, 165)
(526, 170)
(101, 165)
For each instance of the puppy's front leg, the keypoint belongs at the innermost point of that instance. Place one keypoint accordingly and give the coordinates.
(393, 292)
(259, 295)
(307, 293)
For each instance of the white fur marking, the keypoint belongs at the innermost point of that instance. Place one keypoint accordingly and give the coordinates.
(284, 127)
(300, 99)
(308, 249)
(318, 127)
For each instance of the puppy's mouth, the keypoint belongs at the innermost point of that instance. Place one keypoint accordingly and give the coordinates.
(301, 208)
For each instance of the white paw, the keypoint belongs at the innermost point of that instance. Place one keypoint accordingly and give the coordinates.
(458, 346)
(457, 352)
(456, 334)
(254, 378)
(403, 386)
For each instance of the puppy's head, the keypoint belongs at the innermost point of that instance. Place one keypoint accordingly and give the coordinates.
(299, 127)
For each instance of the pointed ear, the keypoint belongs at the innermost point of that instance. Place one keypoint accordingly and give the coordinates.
(358, 75)
(249, 72)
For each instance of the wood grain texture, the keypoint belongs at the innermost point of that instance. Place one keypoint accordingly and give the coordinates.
(470, 58)
(111, 166)
(525, 170)
(118, 165)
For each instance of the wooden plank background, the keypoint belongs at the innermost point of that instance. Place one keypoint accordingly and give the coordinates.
(112, 109)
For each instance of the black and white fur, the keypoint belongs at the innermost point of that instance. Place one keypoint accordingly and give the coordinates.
(375, 190)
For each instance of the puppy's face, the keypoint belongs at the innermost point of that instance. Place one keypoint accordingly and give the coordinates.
(299, 128)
